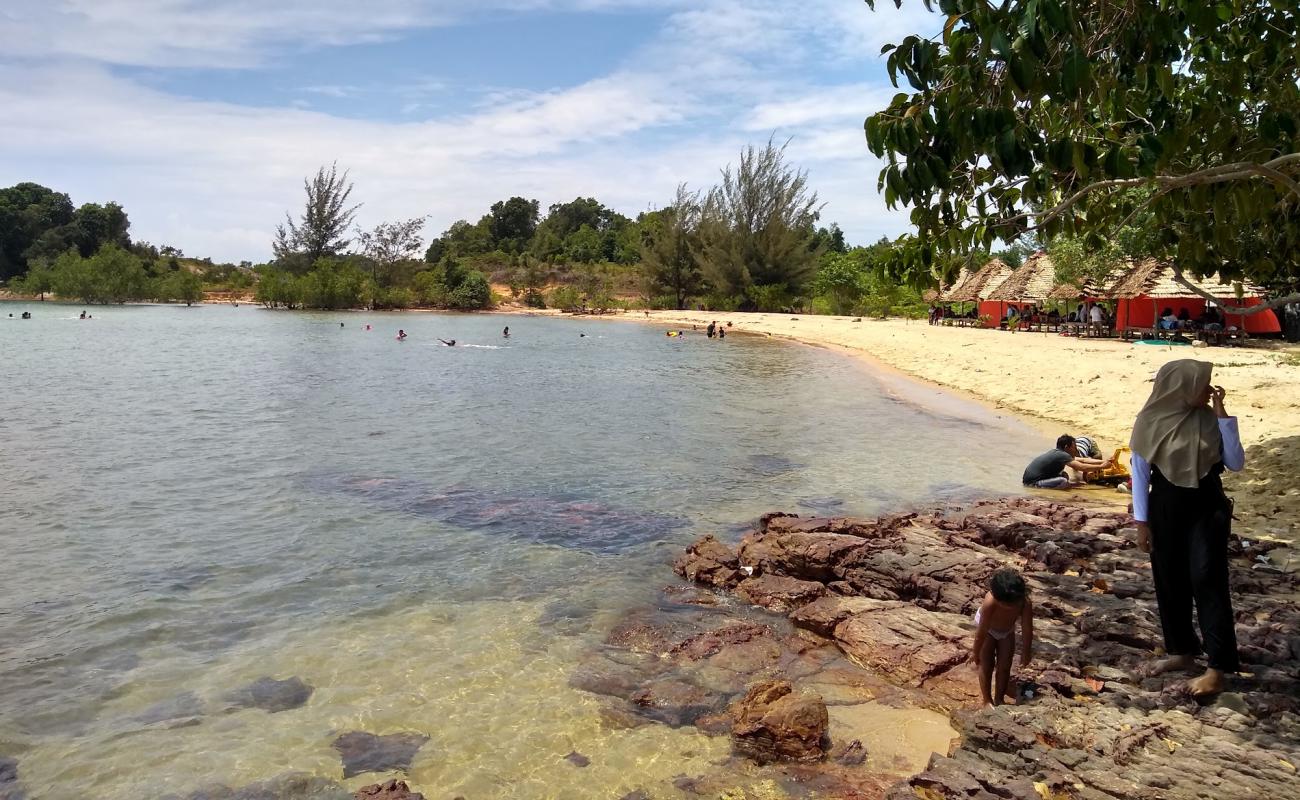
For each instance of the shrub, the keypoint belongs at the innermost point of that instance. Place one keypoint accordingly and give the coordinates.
(770, 297)
(473, 292)
(565, 298)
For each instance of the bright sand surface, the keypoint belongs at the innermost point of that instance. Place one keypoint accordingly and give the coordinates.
(1079, 386)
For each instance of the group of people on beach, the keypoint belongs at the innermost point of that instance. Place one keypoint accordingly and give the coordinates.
(1210, 319)
(1183, 439)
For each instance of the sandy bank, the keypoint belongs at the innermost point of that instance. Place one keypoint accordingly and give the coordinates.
(1093, 387)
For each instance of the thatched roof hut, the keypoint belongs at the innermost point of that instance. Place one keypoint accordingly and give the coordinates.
(977, 285)
(1143, 287)
(1155, 280)
(1032, 281)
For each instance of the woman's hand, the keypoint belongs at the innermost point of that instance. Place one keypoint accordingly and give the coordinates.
(1217, 394)
(1144, 537)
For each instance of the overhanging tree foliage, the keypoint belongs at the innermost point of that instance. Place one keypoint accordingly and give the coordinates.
(1044, 116)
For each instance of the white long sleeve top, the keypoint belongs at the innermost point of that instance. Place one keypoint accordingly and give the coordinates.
(1234, 458)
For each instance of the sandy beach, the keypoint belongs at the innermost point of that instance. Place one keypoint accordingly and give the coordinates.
(1080, 386)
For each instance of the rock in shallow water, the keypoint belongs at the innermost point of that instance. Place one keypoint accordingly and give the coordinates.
(272, 695)
(9, 789)
(775, 723)
(560, 520)
(388, 790)
(291, 786)
(366, 752)
(577, 759)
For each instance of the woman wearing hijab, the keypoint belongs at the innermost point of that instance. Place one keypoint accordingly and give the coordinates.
(1181, 445)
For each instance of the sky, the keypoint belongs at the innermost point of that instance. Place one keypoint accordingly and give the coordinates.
(202, 117)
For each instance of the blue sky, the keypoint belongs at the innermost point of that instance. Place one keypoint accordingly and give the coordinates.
(202, 116)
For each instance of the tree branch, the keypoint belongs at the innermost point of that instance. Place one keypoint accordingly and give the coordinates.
(1223, 173)
(1267, 305)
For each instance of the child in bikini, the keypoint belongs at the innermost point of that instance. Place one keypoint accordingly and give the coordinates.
(995, 632)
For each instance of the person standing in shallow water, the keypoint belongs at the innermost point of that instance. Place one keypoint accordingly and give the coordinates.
(1182, 441)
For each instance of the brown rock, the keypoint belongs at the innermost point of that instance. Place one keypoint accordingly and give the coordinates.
(709, 562)
(779, 593)
(389, 790)
(774, 723)
(811, 556)
(823, 615)
(910, 646)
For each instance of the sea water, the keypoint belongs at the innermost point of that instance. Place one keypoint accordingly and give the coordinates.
(431, 537)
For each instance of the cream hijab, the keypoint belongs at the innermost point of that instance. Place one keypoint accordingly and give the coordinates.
(1173, 432)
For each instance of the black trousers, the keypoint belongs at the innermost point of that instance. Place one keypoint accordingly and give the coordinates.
(1189, 561)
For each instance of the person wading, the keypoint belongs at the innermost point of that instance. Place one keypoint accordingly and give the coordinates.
(1181, 445)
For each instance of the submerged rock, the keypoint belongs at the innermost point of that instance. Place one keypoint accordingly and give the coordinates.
(388, 790)
(367, 752)
(560, 520)
(291, 786)
(9, 788)
(577, 759)
(179, 711)
(272, 695)
(775, 723)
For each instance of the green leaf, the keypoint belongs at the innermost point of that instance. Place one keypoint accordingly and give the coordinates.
(949, 25)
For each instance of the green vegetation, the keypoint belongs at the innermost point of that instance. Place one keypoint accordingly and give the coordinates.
(112, 274)
(1076, 119)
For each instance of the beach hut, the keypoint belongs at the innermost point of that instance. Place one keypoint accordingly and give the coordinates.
(1146, 288)
(1030, 283)
(980, 285)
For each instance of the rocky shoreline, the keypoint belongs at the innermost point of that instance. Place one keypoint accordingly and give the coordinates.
(833, 652)
(854, 612)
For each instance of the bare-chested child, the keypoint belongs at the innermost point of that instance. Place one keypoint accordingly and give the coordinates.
(1006, 603)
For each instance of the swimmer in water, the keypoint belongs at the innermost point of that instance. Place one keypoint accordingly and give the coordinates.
(506, 333)
(340, 324)
(367, 327)
(452, 343)
(401, 335)
(83, 315)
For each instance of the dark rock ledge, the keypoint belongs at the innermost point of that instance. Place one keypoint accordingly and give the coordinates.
(879, 610)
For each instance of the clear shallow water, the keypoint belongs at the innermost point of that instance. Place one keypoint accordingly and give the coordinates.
(181, 516)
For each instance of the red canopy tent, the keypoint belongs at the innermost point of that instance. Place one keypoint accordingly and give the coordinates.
(1147, 288)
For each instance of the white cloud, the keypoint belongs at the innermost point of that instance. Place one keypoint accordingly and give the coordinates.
(234, 33)
(214, 178)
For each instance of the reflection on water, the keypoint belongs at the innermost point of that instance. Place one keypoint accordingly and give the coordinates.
(169, 542)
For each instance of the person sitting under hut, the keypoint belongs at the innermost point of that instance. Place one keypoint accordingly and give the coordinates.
(1168, 321)
(1048, 470)
(1209, 319)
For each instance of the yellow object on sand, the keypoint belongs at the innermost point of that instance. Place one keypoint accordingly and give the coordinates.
(1118, 467)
